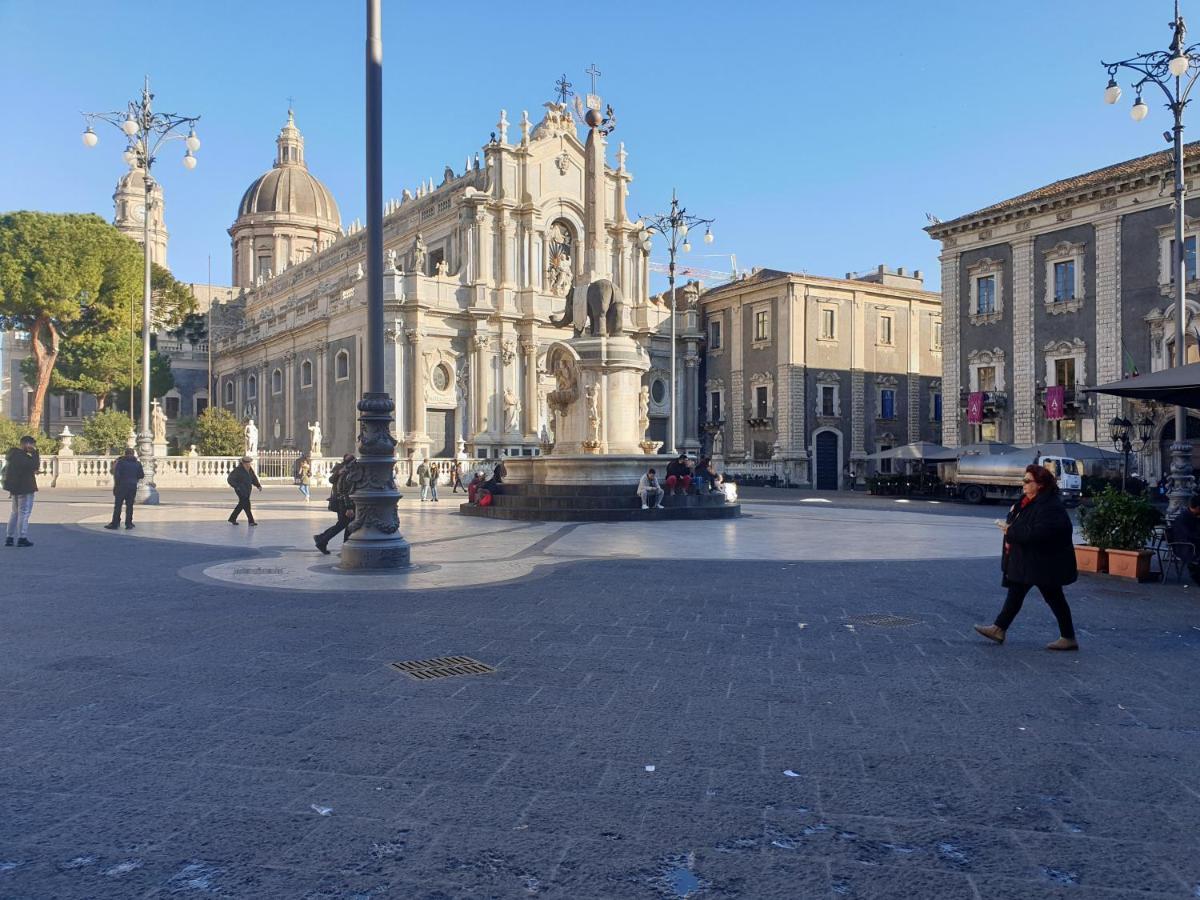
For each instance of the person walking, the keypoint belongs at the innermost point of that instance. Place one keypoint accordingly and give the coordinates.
(126, 473)
(21, 465)
(456, 476)
(302, 475)
(1038, 552)
(340, 502)
(427, 479)
(242, 479)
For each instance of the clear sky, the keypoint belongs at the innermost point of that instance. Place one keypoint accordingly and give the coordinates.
(817, 134)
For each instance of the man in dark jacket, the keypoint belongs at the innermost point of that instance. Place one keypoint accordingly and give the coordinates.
(340, 502)
(679, 475)
(126, 472)
(21, 465)
(1186, 530)
(241, 479)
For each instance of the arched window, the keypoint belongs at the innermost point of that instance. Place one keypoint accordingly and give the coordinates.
(251, 387)
(228, 391)
(341, 365)
(306, 374)
(276, 381)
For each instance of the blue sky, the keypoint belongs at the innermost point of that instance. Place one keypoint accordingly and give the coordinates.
(817, 134)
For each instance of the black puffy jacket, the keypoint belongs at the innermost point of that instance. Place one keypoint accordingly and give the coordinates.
(1040, 549)
(20, 471)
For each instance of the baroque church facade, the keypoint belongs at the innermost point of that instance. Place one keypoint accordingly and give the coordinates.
(477, 268)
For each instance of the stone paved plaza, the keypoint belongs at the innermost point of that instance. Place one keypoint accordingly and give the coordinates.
(699, 710)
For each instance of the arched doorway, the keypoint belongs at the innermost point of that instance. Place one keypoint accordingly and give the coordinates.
(827, 447)
(1167, 438)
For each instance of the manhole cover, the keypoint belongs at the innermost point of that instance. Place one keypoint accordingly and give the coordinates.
(256, 571)
(442, 667)
(883, 620)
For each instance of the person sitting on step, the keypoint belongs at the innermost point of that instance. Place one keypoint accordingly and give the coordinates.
(679, 475)
(650, 491)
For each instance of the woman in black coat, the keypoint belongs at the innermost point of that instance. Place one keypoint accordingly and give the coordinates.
(1038, 552)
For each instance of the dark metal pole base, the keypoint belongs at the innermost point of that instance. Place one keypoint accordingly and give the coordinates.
(1182, 480)
(375, 541)
(147, 493)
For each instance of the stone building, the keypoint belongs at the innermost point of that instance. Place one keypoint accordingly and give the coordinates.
(1064, 286)
(476, 266)
(803, 375)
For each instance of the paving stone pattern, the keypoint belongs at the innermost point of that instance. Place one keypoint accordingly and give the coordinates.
(165, 738)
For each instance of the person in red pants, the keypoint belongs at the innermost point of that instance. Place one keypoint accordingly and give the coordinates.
(679, 475)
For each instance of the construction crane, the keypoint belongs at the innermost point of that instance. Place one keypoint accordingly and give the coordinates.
(697, 272)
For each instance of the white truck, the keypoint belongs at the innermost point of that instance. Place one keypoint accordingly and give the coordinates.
(979, 477)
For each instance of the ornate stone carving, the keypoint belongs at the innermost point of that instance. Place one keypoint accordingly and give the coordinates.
(566, 390)
(508, 350)
(644, 409)
(560, 273)
(512, 411)
(481, 343)
(602, 304)
(250, 432)
(314, 438)
(557, 121)
(592, 444)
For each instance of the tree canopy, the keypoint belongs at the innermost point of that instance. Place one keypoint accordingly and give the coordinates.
(219, 433)
(67, 280)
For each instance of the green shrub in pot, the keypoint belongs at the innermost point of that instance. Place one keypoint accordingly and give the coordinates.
(1118, 521)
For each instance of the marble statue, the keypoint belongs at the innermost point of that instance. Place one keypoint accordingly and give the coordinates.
(593, 412)
(442, 268)
(603, 305)
(512, 411)
(314, 438)
(193, 451)
(418, 254)
(251, 433)
(158, 423)
(644, 410)
(275, 430)
(390, 265)
(718, 447)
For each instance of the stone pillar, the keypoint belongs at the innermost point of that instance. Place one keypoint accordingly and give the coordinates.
(289, 405)
(735, 418)
(1108, 318)
(322, 412)
(691, 398)
(530, 403)
(1023, 402)
(595, 265)
(480, 343)
(416, 418)
(951, 380)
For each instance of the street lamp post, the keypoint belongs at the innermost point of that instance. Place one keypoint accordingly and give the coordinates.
(375, 541)
(674, 226)
(1120, 430)
(1174, 71)
(146, 132)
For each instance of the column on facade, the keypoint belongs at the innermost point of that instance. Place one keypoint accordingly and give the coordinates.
(951, 378)
(1108, 315)
(858, 353)
(264, 408)
(1023, 403)
(914, 372)
(691, 398)
(504, 230)
(289, 400)
(479, 381)
(531, 403)
(416, 399)
(736, 416)
(322, 413)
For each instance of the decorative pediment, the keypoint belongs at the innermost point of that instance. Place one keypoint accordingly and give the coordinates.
(886, 380)
(759, 378)
(993, 357)
(985, 266)
(828, 378)
(936, 384)
(1068, 348)
(886, 438)
(714, 384)
(1064, 250)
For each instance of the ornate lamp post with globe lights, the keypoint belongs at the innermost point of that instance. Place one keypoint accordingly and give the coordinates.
(146, 132)
(674, 226)
(1174, 72)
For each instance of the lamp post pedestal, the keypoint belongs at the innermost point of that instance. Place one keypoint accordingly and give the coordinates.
(147, 492)
(375, 541)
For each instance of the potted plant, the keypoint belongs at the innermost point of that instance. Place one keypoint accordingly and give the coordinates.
(1118, 525)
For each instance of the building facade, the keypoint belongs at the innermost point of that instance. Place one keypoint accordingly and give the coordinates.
(476, 267)
(1065, 286)
(804, 376)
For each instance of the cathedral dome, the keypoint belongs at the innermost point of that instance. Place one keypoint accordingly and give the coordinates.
(289, 189)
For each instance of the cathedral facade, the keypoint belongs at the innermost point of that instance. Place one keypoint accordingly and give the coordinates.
(477, 268)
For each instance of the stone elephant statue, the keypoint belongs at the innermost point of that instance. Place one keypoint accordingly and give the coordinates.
(602, 305)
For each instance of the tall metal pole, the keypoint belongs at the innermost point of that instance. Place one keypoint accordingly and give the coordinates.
(1181, 449)
(375, 541)
(147, 492)
(674, 316)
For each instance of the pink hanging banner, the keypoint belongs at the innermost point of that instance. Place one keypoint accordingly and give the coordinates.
(1056, 396)
(975, 407)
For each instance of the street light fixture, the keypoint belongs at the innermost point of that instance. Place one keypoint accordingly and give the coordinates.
(155, 129)
(1174, 72)
(1120, 430)
(674, 226)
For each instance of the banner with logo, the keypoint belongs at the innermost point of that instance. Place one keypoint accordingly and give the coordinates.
(975, 407)
(1056, 396)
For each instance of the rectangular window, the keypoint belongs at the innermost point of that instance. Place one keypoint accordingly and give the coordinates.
(987, 378)
(1189, 249)
(714, 335)
(760, 402)
(828, 324)
(1064, 372)
(828, 406)
(1064, 280)
(70, 406)
(937, 407)
(885, 329)
(762, 325)
(887, 404)
(885, 465)
(985, 295)
(171, 407)
(262, 266)
(937, 335)
(714, 407)
(201, 405)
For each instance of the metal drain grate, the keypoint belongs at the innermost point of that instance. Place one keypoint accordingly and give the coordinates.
(256, 570)
(442, 667)
(883, 620)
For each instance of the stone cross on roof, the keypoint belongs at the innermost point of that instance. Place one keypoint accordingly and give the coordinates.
(563, 88)
(593, 99)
